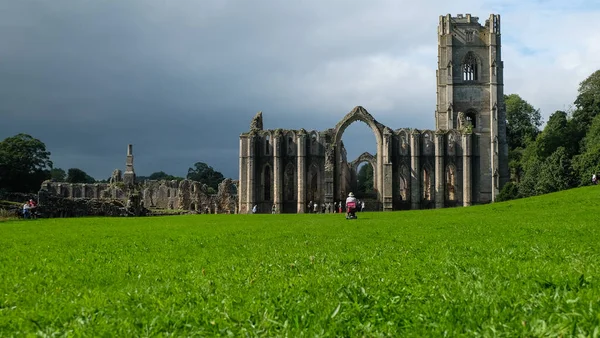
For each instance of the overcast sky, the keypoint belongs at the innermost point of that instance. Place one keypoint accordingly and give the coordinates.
(181, 79)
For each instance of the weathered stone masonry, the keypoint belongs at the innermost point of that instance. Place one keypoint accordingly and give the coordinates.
(185, 195)
(463, 162)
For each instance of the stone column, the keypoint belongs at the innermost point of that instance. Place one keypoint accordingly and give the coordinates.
(129, 175)
(277, 179)
(301, 171)
(387, 193)
(243, 185)
(439, 169)
(415, 170)
(467, 177)
(250, 187)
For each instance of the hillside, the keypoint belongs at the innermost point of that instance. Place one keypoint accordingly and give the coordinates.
(520, 268)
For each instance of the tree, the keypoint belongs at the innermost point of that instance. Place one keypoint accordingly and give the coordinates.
(557, 133)
(161, 175)
(556, 174)
(24, 163)
(587, 103)
(58, 175)
(588, 162)
(522, 121)
(203, 173)
(365, 179)
(76, 175)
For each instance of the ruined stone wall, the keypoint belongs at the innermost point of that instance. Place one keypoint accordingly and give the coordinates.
(183, 195)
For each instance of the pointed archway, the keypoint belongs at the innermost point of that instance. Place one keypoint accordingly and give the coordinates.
(357, 114)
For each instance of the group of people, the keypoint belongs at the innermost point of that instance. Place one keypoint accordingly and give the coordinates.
(30, 209)
(335, 207)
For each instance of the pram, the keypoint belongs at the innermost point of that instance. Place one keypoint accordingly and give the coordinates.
(351, 210)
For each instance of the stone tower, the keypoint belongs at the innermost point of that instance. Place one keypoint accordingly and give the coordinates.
(470, 96)
(129, 175)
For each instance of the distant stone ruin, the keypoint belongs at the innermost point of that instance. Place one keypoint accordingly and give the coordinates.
(125, 196)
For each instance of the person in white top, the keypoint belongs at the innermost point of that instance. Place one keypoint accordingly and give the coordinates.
(351, 206)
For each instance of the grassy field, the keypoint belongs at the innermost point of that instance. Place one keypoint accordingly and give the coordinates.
(522, 268)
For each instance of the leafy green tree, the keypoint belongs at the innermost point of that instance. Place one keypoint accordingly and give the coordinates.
(58, 175)
(510, 191)
(161, 175)
(588, 162)
(587, 103)
(203, 173)
(24, 163)
(528, 184)
(523, 121)
(556, 173)
(365, 179)
(557, 133)
(76, 175)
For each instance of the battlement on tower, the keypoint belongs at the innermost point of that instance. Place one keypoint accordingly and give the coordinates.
(449, 23)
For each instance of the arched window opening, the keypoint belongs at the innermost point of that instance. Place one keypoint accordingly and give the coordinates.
(469, 67)
(267, 144)
(426, 185)
(470, 118)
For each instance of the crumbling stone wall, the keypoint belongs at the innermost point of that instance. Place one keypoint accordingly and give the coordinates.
(117, 199)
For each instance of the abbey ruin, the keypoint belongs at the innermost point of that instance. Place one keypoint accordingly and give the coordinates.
(463, 161)
(185, 195)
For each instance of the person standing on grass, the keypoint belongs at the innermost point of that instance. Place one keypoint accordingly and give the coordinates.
(255, 209)
(26, 210)
(594, 179)
(273, 209)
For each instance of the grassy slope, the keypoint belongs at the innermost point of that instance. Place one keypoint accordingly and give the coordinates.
(527, 267)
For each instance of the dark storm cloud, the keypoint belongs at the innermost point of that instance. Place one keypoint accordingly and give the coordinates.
(181, 79)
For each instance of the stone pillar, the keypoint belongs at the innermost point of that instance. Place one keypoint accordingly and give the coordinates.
(83, 190)
(415, 170)
(243, 185)
(439, 169)
(301, 171)
(387, 184)
(277, 171)
(129, 175)
(250, 187)
(467, 177)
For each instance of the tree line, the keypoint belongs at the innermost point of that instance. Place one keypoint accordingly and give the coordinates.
(565, 154)
(25, 163)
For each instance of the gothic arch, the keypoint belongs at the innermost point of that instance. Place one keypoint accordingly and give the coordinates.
(313, 143)
(470, 67)
(267, 144)
(403, 137)
(364, 157)
(360, 114)
(427, 183)
(290, 143)
(428, 143)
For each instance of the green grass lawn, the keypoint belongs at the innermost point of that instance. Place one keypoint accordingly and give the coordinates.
(522, 268)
